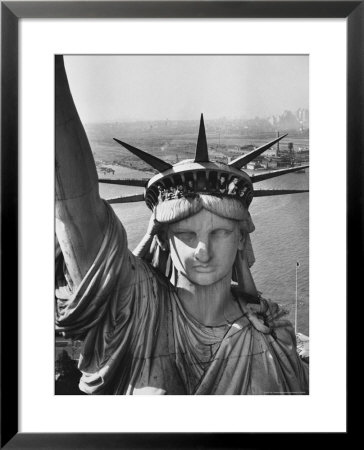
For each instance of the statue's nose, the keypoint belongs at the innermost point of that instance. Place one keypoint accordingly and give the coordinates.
(202, 252)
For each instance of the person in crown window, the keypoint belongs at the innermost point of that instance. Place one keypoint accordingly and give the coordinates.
(222, 186)
(233, 186)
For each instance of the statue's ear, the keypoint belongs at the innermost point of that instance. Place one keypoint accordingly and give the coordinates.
(162, 239)
(242, 238)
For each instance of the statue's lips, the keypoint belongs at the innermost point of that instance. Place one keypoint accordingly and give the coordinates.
(203, 269)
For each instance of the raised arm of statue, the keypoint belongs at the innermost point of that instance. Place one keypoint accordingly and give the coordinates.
(80, 213)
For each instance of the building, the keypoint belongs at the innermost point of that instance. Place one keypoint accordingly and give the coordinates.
(270, 163)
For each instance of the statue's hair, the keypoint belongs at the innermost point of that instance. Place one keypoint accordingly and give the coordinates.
(229, 208)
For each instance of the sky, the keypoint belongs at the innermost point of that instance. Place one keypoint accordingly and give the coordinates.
(181, 87)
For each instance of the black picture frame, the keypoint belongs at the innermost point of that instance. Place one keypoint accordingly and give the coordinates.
(11, 13)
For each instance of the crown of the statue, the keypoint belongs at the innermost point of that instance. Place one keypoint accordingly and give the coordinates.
(191, 177)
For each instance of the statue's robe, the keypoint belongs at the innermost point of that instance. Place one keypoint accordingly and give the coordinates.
(138, 339)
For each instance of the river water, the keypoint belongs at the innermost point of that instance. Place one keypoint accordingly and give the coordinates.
(280, 238)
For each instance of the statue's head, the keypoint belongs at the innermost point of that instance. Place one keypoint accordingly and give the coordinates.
(204, 238)
(203, 206)
(203, 235)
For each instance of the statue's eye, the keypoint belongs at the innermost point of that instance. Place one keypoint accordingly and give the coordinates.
(185, 236)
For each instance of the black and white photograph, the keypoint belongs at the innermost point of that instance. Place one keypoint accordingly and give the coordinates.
(182, 224)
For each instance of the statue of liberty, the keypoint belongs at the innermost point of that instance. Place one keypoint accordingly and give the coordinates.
(181, 314)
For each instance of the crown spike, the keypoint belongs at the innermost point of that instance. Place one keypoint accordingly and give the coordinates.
(153, 161)
(127, 199)
(127, 182)
(202, 154)
(270, 192)
(275, 173)
(245, 159)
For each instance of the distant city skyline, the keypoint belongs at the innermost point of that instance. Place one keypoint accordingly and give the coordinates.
(270, 119)
(171, 87)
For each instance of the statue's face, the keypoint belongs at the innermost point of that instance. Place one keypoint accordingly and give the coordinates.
(203, 247)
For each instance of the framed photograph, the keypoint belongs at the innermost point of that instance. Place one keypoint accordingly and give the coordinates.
(175, 103)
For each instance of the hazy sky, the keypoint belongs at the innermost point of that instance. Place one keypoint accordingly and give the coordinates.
(182, 87)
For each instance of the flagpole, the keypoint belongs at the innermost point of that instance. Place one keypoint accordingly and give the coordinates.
(295, 315)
